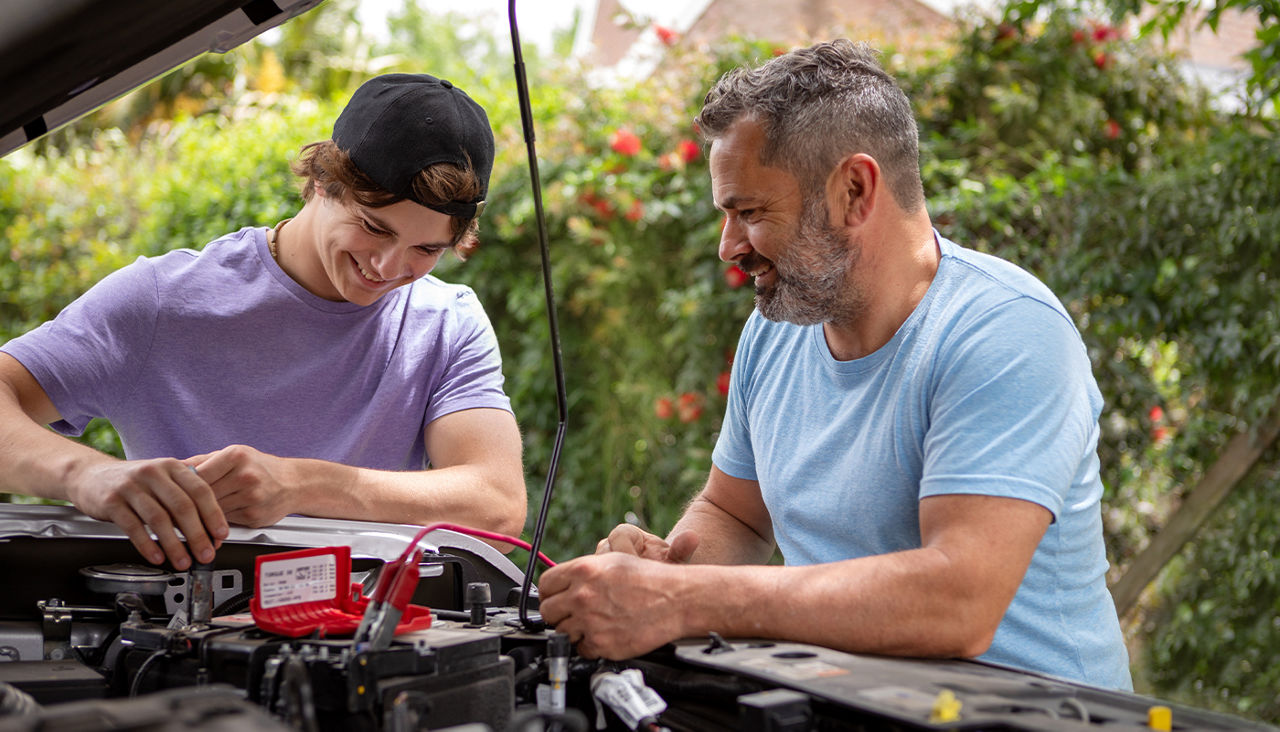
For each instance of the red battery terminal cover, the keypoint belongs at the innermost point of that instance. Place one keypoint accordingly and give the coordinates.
(310, 591)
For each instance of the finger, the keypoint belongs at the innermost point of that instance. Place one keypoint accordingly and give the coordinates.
(155, 517)
(626, 539)
(232, 497)
(554, 580)
(177, 489)
(210, 512)
(602, 546)
(213, 468)
(682, 546)
(138, 535)
(246, 516)
(195, 460)
(551, 613)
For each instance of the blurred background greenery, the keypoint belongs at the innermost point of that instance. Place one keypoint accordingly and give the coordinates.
(1061, 137)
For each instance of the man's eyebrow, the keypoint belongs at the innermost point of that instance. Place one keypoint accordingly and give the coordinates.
(386, 227)
(730, 203)
(376, 221)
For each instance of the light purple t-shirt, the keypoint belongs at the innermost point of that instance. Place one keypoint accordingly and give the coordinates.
(190, 351)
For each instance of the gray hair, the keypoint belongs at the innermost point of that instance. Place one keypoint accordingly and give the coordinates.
(817, 106)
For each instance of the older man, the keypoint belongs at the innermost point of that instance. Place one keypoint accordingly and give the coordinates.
(913, 424)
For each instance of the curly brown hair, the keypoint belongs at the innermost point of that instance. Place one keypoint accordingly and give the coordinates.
(324, 164)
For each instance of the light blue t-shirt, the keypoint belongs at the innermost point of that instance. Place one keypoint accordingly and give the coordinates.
(190, 351)
(985, 389)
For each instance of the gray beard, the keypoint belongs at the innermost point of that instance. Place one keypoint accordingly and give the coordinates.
(811, 280)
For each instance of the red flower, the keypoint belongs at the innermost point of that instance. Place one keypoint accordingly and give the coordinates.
(1077, 37)
(1100, 59)
(601, 205)
(1156, 413)
(663, 408)
(1160, 434)
(625, 142)
(636, 211)
(689, 406)
(722, 383)
(666, 35)
(1005, 31)
(1112, 130)
(779, 50)
(1103, 33)
(688, 150)
(734, 276)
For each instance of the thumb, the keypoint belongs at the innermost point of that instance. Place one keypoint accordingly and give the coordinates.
(681, 546)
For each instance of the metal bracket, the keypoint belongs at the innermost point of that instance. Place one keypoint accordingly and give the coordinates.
(55, 626)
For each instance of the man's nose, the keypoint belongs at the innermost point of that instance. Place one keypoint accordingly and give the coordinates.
(733, 240)
(389, 263)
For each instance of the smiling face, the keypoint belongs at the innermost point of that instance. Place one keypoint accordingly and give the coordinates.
(799, 260)
(361, 253)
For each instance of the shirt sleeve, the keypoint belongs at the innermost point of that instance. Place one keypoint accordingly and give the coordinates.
(733, 454)
(1015, 408)
(86, 359)
(473, 377)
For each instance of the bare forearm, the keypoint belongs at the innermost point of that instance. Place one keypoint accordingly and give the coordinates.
(944, 599)
(913, 603)
(723, 539)
(35, 461)
(469, 495)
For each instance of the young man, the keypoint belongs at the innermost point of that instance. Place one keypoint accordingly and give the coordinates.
(310, 368)
(913, 424)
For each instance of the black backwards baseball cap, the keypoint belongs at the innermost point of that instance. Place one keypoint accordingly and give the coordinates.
(398, 124)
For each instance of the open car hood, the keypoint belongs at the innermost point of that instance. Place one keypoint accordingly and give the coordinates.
(61, 59)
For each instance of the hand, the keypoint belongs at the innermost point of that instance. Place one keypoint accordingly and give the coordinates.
(613, 605)
(250, 486)
(629, 539)
(160, 494)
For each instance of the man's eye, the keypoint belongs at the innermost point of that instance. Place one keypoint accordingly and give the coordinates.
(431, 251)
(372, 229)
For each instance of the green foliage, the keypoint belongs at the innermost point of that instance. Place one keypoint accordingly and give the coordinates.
(1165, 16)
(1198, 252)
(1213, 641)
(1066, 85)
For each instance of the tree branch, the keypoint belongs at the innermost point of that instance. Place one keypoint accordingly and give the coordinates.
(1235, 461)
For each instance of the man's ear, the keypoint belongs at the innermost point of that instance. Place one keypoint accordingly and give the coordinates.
(854, 188)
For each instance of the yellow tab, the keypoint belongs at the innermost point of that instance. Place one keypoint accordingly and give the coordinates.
(946, 708)
(1160, 718)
